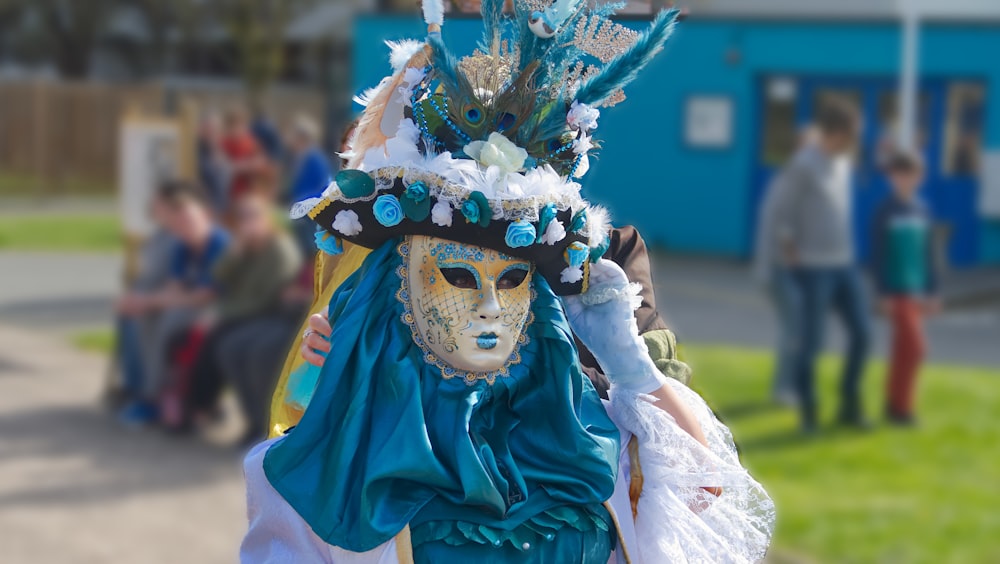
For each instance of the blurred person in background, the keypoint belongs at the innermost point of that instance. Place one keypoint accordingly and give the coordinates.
(243, 154)
(345, 143)
(777, 276)
(811, 216)
(267, 135)
(903, 267)
(310, 174)
(252, 279)
(184, 297)
(211, 161)
(135, 323)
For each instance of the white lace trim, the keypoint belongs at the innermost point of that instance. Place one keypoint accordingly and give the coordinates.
(605, 294)
(677, 520)
(302, 208)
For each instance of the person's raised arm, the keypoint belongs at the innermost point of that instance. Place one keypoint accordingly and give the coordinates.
(603, 320)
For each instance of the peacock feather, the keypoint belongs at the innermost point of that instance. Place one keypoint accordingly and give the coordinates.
(522, 83)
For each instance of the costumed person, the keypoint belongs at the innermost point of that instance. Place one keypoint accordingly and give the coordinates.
(453, 421)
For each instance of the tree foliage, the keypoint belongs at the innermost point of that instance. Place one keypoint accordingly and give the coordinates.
(67, 33)
(257, 30)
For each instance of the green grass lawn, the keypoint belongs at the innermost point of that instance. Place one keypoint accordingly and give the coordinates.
(58, 232)
(930, 494)
(29, 185)
(891, 495)
(99, 341)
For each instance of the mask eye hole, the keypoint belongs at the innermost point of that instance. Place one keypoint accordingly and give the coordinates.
(512, 278)
(460, 277)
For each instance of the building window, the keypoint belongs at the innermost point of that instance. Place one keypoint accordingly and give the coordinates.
(781, 135)
(887, 134)
(963, 129)
(708, 122)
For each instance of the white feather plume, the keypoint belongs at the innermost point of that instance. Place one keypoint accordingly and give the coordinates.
(367, 96)
(598, 225)
(433, 12)
(400, 52)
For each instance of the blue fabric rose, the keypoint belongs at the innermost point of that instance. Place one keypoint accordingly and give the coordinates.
(471, 211)
(579, 221)
(577, 253)
(477, 210)
(520, 234)
(417, 191)
(545, 217)
(328, 243)
(387, 210)
(416, 204)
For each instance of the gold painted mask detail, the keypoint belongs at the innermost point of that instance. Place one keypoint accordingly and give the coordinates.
(469, 304)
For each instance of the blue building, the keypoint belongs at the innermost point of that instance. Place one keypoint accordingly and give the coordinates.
(708, 124)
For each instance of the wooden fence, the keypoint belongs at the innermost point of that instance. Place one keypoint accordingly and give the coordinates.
(62, 138)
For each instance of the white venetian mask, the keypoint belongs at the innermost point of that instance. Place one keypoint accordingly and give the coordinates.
(469, 303)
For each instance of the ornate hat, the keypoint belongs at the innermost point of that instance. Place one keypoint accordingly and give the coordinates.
(486, 149)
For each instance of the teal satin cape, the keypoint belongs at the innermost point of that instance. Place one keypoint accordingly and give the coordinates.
(386, 441)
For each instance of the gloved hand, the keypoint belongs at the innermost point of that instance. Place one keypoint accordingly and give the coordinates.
(603, 318)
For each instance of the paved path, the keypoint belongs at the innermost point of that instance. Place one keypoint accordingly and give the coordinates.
(75, 487)
(63, 293)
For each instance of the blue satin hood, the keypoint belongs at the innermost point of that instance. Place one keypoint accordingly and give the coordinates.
(386, 441)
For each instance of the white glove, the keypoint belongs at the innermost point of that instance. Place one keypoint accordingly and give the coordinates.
(603, 318)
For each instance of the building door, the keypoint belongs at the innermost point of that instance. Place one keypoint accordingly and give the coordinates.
(949, 126)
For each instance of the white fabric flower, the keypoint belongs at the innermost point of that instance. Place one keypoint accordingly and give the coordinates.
(399, 150)
(411, 77)
(582, 144)
(554, 233)
(497, 151)
(571, 275)
(346, 222)
(441, 214)
(582, 117)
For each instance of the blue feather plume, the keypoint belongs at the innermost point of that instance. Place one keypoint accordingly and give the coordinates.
(624, 68)
(532, 48)
(492, 11)
(443, 61)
